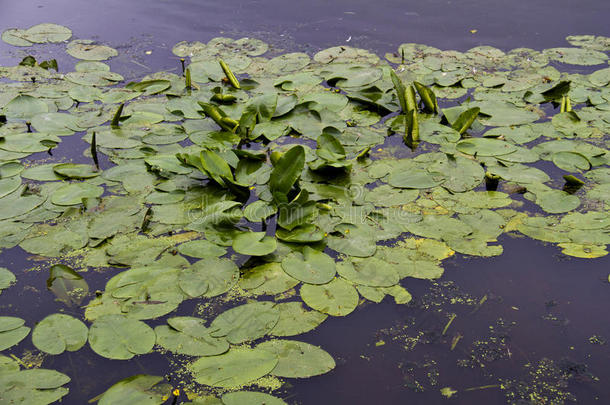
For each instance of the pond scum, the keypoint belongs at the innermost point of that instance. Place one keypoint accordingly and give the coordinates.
(280, 188)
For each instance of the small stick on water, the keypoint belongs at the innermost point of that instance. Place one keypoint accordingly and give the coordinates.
(480, 304)
(29, 124)
(402, 54)
(482, 387)
(455, 340)
(449, 323)
(182, 63)
(94, 151)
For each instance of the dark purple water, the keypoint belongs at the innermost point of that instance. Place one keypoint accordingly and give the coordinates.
(556, 303)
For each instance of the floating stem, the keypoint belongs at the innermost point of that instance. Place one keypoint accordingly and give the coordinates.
(230, 76)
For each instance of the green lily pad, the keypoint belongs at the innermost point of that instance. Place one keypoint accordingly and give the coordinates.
(7, 278)
(295, 320)
(59, 332)
(237, 367)
(371, 272)
(312, 266)
(250, 398)
(298, 359)
(88, 50)
(12, 331)
(138, 389)
(184, 343)
(557, 201)
(75, 193)
(210, 277)
(267, 279)
(120, 338)
(75, 171)
(246, 322)
(485, 147)
(337, 298)
(254, 244)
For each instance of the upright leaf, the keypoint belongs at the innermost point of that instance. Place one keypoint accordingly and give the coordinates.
(287, 170)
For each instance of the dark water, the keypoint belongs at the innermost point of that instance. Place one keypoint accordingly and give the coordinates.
(540, 304)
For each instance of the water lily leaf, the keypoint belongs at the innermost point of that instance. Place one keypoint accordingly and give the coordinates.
(120, 338)
(210, 277)
(520, 174)
(7, 186)
(12, 331)
(246, 322)
(14, 205)
(138, 389)
(74, 193)
(67, 285)
(485, 147)
(237, 367)
(201, 249)
(75, 171)
(352, 240)
(36, 386)
(349, 75)
(25, 107)
(47, 32)
(557, 201)
(184, 343)
(584, 251)
(465, 120)
(7, 278)
(254, 244)
(250, 398)
(88, 50)
(416, 178)
(439, 227)
(288, 62)
(312, 266)
(59, 332)
(571, 161)
(267, 279)
(300, 234)
(15, 37)
(337, 298)
(295, 320)
(298, 359)
(576, 56)
(371, 272)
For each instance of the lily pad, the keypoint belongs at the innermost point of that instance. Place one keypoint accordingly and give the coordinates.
(337, 298)
(59, 332)
(245, 322)
(120, 338)
(312, 266)
(298, 359)
(237, 367)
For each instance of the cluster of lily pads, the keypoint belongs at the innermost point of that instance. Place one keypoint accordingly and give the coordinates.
(269, 183)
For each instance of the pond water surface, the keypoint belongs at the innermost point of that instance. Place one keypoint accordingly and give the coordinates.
(538, 303)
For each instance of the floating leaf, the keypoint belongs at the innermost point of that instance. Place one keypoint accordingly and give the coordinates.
(337, 298)
(312, 266)
(88, 50)
(245, 322)
(59, 332)
(138, 389)
(250, 398)
(235, 368)
(120, 338)
(298, 359)
(12, 331)
(254, 244)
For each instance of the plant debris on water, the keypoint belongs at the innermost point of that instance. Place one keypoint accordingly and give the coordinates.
(291, 188)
